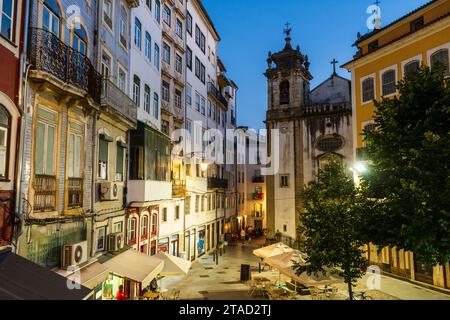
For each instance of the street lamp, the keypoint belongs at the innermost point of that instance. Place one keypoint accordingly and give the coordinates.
(360, 167)
(204, 166)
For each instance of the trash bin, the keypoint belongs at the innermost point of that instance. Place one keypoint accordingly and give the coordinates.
(245, 272)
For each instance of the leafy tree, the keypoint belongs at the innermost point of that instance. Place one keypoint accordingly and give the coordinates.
(408, 181)
(330, 226)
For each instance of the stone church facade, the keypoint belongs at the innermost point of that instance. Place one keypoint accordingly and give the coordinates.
(315, 126)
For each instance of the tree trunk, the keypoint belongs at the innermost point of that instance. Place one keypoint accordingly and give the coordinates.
(350, 289)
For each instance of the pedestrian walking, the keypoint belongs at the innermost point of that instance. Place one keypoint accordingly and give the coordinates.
(120, 294)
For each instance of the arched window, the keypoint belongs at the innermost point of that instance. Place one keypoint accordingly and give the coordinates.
(440, 58)
(411, 68)
(144, 227)
(389, 82)
(284, 93)
(132, 230)
(368, 89)
(51, 17)
(5, 123)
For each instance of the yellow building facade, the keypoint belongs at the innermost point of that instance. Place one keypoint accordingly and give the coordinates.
(384, 57)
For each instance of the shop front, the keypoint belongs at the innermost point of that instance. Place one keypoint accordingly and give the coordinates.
(192, 242)
(163, 245)
(201, 237)
(111, 287)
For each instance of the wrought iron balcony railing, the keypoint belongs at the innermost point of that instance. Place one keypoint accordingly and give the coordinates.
(212, 90)
(49, 54)
(217, 183)
(179, 188)
(115, 98)
(75, 193)
(44, 193)
(258, 179)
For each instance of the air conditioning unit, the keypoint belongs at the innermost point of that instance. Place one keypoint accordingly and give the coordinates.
(74, 255)
(109, 191)
(115, 242)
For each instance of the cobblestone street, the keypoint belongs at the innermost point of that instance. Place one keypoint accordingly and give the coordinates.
(208, 281)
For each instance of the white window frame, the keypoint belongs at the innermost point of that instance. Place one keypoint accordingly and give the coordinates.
(125, 84)
(109, 67)
(52, 16)
(111, 16)
(76, 134)
(148, 47)
(436, 49)
(54, 125)
(122, 25)
(374, 77)
(97, 238)
(12, 18)
(380, 76)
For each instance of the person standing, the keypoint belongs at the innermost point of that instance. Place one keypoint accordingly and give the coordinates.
(243, 235)
(120, 296)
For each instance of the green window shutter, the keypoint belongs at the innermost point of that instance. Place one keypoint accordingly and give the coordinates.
(39, 152)
(119, 159)
(103, 151)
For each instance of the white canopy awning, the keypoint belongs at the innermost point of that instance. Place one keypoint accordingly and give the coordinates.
(286, 260)
(173, 266)
(135, 266)
(273, 250)
(92, 275)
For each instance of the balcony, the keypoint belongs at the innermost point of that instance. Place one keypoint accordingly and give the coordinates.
(148, 190)
(44, 193)
(216, 94)
(50, 55)
(217, 183)
(258, 215)
(258, 179)
(75, 193)
(179, 188)
(118, 101)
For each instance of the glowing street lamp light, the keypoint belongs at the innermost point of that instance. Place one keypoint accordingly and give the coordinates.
(360, 167)
(204, 166)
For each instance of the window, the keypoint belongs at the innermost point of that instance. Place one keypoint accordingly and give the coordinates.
(178, 98)
(165, 90)
(147, 94)
(123, 26)
(189, 23)
(156, 62)
(166, 53)
(187, 205)
(368, 89)
(79, 40)
(373, 46)
(137, 91)
(200, 39)
(132, 230)
(101, 239)
(389, 82)
(440, 59)
(154, 226)
(284, 181)
(103, 156)
(148, 46)
(189, 95)
(106, 65)
(158, 10)
(203, 106)
(189, 58)
(120, 161)
(50, 17)
(411, 68)
(155, 106)
(165, 127)
(179, 29)
(197, 204)
(330, 143)
(144, 227)
(6, 18)
(284, 92)
(149, 4)
(122, 79)
(209, 108)
(137, 33)
(164, 215)
(197, 102)
(5, 121)
(189, 129)
(197, 67)
(417, 24)
(167, 13)
(202, 73)
(202, 203)
(178, 63)
(45, 143)
(76, 133)
(177, 213)
(118, 227)
(107, 13)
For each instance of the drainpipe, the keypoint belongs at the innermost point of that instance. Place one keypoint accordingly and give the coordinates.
(184, 156)
(21, 101)
(94, 175)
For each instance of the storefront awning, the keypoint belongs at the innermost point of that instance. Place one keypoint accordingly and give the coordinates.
(92, 275)
(135, 266)
(21, 279)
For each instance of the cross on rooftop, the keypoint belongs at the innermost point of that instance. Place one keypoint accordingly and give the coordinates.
(334, 62)
(288, 30)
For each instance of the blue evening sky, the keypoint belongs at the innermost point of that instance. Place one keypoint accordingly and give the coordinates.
(324, 29)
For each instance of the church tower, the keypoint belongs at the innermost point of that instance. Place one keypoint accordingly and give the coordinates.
(313, 127)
